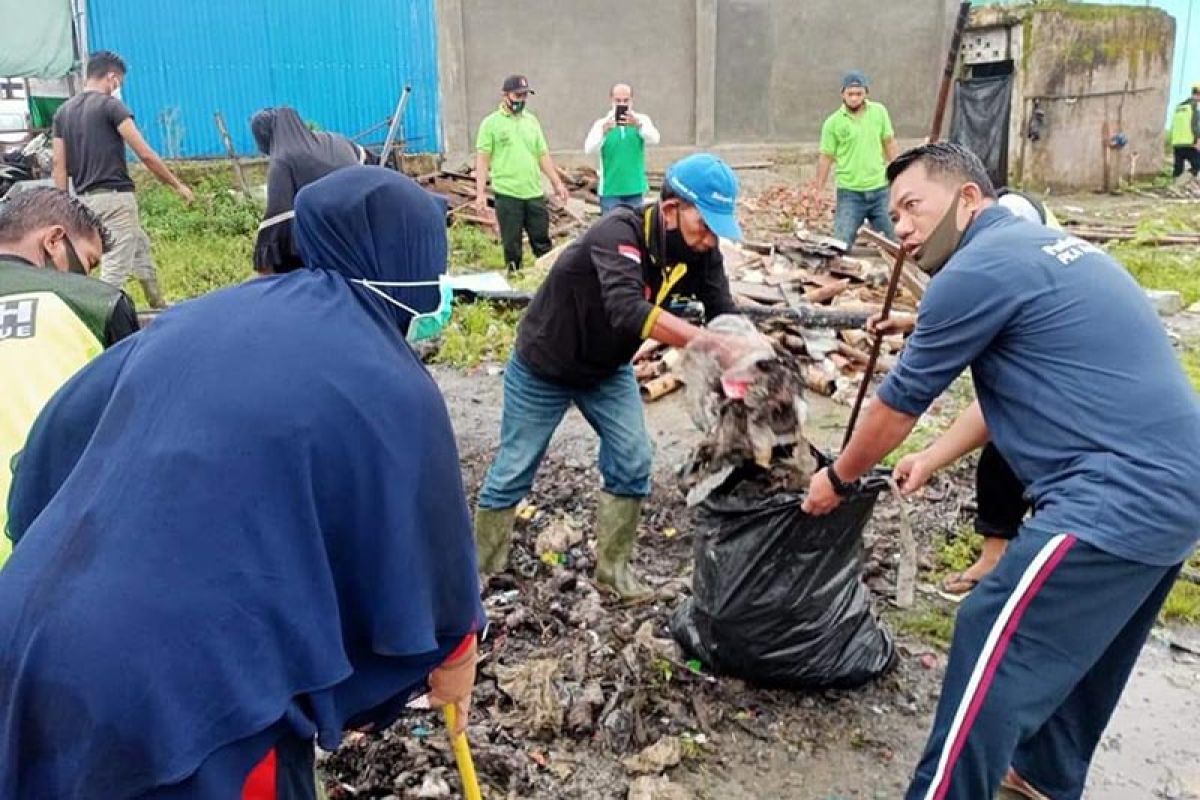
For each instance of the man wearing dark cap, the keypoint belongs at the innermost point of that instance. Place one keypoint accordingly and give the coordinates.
(512, 149)
(603, 297)
(858, 139)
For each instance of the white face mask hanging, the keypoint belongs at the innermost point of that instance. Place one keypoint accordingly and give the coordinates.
(424, 324)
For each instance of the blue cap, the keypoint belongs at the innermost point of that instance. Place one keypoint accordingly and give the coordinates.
(709, 184)
(855, 78)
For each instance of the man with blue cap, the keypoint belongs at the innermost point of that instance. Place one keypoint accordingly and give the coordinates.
(604, 296)
(859, 141)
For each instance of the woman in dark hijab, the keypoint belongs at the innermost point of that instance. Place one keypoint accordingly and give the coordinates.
(298, 157)
(279, 551)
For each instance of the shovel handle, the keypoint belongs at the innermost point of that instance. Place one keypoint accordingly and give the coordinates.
(462, 754)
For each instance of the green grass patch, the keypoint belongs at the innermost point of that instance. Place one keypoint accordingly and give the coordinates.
(921, 437)
(1183, 603)
(1170, 268)
(929, 623)
(1189, 357)
(477, 332)
(473, 249)
(199, 247)
(958, 552)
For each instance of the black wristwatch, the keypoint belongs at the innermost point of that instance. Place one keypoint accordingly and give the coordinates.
(840, 486)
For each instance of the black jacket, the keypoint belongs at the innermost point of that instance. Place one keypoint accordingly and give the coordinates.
(602, 296)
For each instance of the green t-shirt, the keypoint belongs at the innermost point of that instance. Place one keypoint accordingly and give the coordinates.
(855, 142)
(515, 143)
(623, 156)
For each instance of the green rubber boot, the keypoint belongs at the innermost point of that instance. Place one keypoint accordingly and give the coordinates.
(493, 537)
(153, 294)
(616, 528)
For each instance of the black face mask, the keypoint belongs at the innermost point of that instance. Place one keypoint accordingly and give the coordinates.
(516, 106)
(677, 249)
(74, 262)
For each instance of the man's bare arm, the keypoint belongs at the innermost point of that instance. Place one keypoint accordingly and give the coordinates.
(60, 163)
(145, 153)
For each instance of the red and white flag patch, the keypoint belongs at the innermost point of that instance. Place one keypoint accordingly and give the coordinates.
(630, 252)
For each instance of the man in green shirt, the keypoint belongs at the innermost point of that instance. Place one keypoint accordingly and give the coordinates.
(1185, 135)
(858, 139)
(620, 137)
(512, 149)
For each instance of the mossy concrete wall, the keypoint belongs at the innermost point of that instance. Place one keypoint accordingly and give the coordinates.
(1095, 71)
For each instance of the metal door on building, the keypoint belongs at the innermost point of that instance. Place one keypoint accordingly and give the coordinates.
(982, 110)
(983, 98)
(342, 65)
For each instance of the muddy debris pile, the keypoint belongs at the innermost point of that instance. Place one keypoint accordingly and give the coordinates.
(751, 414)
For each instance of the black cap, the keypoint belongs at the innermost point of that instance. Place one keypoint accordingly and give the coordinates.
(516, 83)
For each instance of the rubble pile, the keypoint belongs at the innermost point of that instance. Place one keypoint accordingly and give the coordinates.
(780, 206)
(812, 301)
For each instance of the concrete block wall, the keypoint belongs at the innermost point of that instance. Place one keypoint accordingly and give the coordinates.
(710, 72)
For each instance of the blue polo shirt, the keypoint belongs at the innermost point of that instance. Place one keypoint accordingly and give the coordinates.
(1080, 388)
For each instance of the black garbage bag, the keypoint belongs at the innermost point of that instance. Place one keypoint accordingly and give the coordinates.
(778, 598)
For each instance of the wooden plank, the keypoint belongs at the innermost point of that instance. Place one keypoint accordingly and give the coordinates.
(823, 294)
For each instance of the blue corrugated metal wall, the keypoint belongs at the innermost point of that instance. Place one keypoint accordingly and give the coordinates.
(341, 63)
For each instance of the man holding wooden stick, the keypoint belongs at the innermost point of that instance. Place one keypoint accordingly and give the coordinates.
(1080, 391)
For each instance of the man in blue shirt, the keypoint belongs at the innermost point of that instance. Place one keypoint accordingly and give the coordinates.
(1079, 390)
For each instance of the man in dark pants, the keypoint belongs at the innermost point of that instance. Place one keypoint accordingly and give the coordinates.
(603, 297)
(511, 148)
(1185, 136)
(1082, 394)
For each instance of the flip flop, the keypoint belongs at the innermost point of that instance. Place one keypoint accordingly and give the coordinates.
(1018, 785)
(957, 586)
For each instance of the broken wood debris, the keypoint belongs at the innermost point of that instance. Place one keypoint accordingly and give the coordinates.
(798, 289)
(1115, 233)
(458, 186)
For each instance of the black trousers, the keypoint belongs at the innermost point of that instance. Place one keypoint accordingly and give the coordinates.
(1189, 156)
(517, 216)
(999, 496)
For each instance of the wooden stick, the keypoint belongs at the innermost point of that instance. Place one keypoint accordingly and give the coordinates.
(660, 387)
(914, 280)
(893, 285)
(822, 294)
(237, 165)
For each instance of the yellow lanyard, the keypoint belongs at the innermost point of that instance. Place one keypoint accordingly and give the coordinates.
(673, 274)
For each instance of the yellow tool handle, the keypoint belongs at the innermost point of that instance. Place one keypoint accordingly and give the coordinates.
(462, 754)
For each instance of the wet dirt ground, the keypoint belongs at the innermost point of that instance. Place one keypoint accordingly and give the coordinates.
(737, 741)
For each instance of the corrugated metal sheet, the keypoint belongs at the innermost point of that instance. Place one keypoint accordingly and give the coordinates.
(341, 63)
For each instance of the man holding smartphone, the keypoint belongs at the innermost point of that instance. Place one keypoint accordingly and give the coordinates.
(621, 136)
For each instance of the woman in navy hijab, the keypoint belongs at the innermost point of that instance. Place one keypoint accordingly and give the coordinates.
(243, 529)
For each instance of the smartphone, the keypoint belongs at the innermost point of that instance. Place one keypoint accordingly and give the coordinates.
(622, 114)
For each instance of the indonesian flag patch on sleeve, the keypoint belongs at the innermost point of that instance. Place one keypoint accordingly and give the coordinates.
(630, 252)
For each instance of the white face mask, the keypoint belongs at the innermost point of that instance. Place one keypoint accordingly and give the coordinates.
(423, 325)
